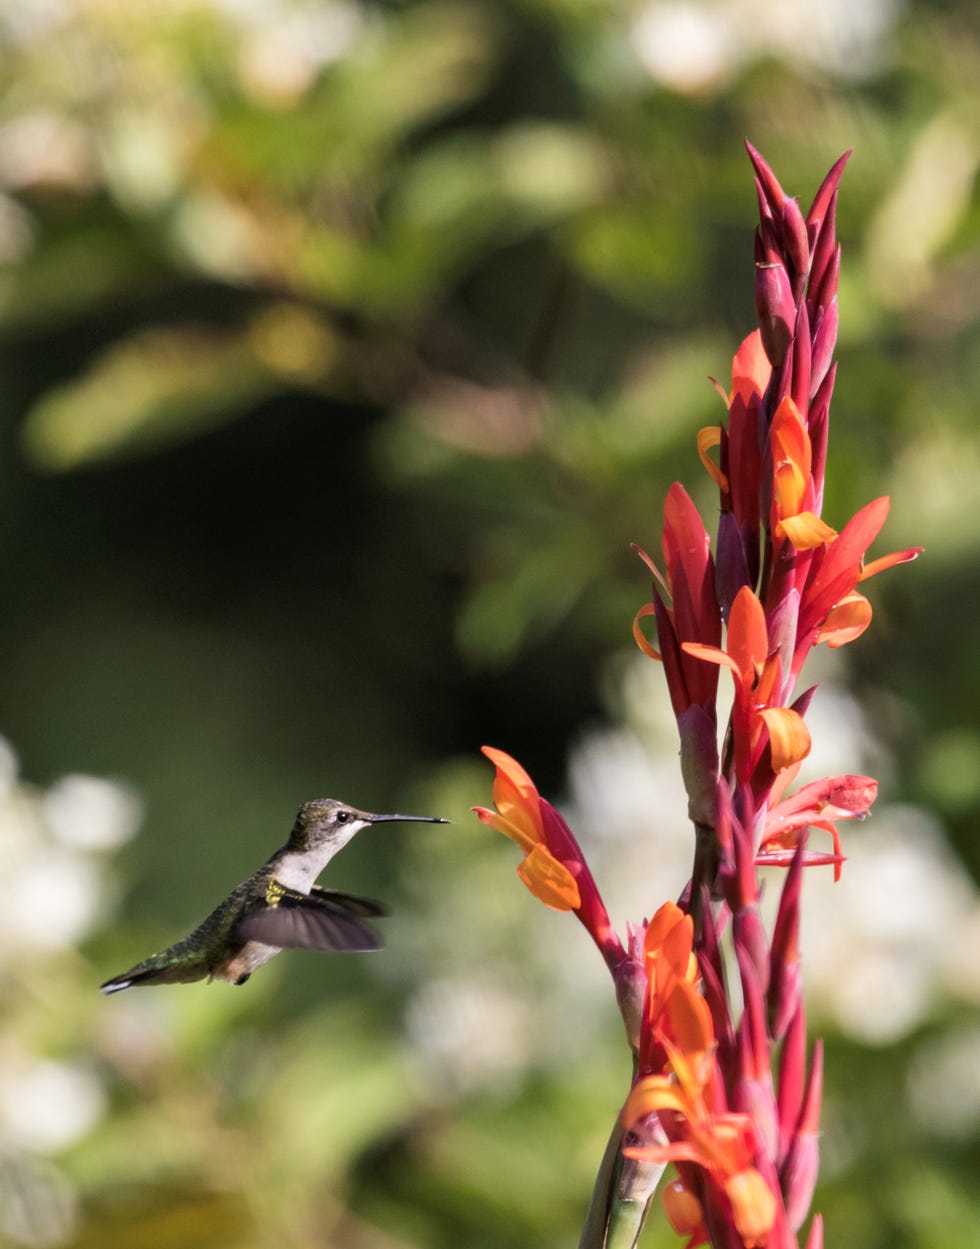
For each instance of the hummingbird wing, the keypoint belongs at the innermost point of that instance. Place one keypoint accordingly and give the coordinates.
(320, 921)
(351, 902)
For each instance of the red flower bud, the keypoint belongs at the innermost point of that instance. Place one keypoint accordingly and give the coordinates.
(824, 342)
(768, 182)
(796, 246)
(798, 1175)
(775, 309)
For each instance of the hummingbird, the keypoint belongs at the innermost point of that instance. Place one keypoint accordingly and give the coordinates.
(279, 907)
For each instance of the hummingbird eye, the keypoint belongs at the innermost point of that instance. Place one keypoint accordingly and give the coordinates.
(342, 817)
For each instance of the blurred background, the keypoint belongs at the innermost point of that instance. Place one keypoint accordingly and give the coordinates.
(344, 348)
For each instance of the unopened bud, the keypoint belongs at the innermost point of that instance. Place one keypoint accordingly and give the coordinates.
(795, 241)
(799, 1177)
(631, 984)
(775, 309)
(824, 342)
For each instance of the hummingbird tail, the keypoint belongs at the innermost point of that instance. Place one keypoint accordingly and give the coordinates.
(140, 974)
(117, 984)
(171, 966)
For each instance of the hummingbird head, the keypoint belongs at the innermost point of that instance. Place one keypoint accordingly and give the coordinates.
(324, 824)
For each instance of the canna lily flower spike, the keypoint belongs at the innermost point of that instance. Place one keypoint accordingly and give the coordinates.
(713, 1003)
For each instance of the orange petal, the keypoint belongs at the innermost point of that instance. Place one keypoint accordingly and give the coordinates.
(847, 621)
(711, 655)
(658, 576)
(791, 459)
(667, 920)
(515, 795)
(550, 881)
(514, 831)
(721, 391)
(710, 437)
(748, 639)
(769, 681)
(639, 637)
(889, 561)
(682, 1208)
(690, 1019)
(751, 369)
(753, 1206)
(788, 436)
(651, 1094)
(675, 952)
(788, 488)
(667, 959)
(805, 531)
(789, 738)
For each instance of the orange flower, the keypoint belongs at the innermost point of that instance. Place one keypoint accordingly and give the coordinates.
(758, 675)
(518, 816)
(554, 867)
(722, 1144)
(668, 959)
(793, 519)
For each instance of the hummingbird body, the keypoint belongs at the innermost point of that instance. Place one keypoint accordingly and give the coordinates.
(276, 908)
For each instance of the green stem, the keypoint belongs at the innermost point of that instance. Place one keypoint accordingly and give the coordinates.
(624, 1188)
(705, 871)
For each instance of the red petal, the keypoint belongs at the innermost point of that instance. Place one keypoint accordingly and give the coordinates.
(774, 193)
(821, 201)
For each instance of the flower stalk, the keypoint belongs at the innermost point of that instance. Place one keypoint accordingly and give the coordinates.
(723, 1089)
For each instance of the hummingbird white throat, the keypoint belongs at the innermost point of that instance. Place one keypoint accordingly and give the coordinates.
(279, 907)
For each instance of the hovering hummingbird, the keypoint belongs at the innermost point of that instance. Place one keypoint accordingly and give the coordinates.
(278, 907)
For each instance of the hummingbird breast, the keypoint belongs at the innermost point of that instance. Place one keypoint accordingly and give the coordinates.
(244, 961)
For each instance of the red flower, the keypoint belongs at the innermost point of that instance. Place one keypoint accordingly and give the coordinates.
(830, 610)
(692, 615)
(817, 805)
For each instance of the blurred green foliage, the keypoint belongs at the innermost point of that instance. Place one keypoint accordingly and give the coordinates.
(344, 348)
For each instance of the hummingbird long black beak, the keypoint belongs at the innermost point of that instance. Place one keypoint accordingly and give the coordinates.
(410, 819)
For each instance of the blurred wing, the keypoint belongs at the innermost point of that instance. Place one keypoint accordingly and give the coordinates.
(308, 923)
(351, 902)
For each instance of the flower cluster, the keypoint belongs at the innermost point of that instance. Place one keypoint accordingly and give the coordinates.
(723, 1088)
(684, 1101)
